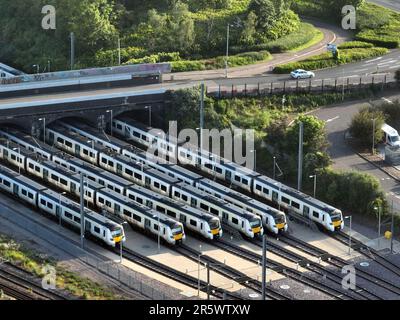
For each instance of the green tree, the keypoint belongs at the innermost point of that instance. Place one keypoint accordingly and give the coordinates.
(266, 14)
(249, 31)
(361, 126)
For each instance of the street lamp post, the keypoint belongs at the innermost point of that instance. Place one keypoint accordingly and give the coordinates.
(44, 128)
(111, 123)
(158, 236)
(274, 168)
(198, 272)
(48, 66)
(350, 218)
(315, 184)
(92, 142)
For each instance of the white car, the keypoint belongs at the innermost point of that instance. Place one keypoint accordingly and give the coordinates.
(302, 74)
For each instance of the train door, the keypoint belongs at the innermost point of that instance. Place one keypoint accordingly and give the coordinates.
(77, 149)
(182, 218)
(147, 182)
(16, 189)
(45, 174)
(228, 176)
(225, 217)
(117, 209)
(88, 226)
(275, 196)
(306, 211)
(193, 202)
(119, 168)
(147, 224)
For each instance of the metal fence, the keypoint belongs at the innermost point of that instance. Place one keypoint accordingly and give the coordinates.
(340, 85)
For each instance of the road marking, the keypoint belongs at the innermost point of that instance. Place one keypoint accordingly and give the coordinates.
(333, 119)
(383, 63)
(387, 100)
(361, 70)
(374, 60)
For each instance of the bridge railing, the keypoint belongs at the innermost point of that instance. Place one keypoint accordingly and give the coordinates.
(347, 84)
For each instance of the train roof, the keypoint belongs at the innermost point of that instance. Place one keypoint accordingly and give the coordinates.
(28, 140)
(297, 194)
(172, 203)
(249, 202)
(94, 216)
(12, 146)
(21, 179)
(131, 122)
(216, 201)
(138, 207)
(92, 169)
(76, 137)
(96, 134)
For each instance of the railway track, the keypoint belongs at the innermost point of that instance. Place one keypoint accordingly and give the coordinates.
(338, 262)
(368, 252)
(20, 287)
(230, 273)
(284, 270)
(177, 275)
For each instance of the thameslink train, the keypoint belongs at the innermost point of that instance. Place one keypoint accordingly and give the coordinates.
(287, 198)
(274, 220)
(50, 202)
(95, 194)
(143, 175)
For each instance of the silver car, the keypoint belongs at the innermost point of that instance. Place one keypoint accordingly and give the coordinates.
(302, 74)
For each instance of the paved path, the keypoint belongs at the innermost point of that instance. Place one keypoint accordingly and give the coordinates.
(338, 119)
(391, 4)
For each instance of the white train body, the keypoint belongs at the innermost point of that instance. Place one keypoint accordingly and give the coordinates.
(57, 205)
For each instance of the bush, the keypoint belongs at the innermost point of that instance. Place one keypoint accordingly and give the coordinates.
(187, 65)
(355, 44)
(326, 60)
(361, 127)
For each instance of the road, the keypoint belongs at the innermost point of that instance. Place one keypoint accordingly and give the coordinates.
(391, 4)
(338, 119)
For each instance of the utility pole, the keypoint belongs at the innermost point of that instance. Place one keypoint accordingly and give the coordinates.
(264, 265)
(300, 168)
(72, 36)
(202, 115)
(227, 52)
(392, 230)
(119, 51)
(82, 211)
(208, 280)
(274, 168)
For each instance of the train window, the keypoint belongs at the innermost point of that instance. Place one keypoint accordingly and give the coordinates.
(177, 194)
(265, 191)
(68, 144)
(155, 227)
(182, 218)
(161, 209)
(50, 205)
(117, 190)
(101, 200)
(164, 188)
(117, 207)
(136, 134)
(54, 177)
(295, 205)
(68, 215)
(285, 200)
(138, 176)
(156, 185)
(37, 169)
(315, 214)
(24, 192)
(85, 152)
(258, 187)
(30, 195)
(193, 223)
(103, 160)
(119, 126)
(171, 213)
(219, 170)
(306, 210)
(323, 217)
(203, 206)
(139, 200)
(129, 172)
(235, 221)
(60, 140)
(7, 183)
(108, 203)
(127, 213)
(13, 157)
(213, 211)
(110, 163)
(64, 182)
(208, 165)
(102, 182)
(31, 166)
(77, 219)
(136, 217)
(184, 197)
(91, 154)
(43, 202)
(237, 178)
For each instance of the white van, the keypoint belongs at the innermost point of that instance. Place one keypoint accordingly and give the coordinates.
(391, 136)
